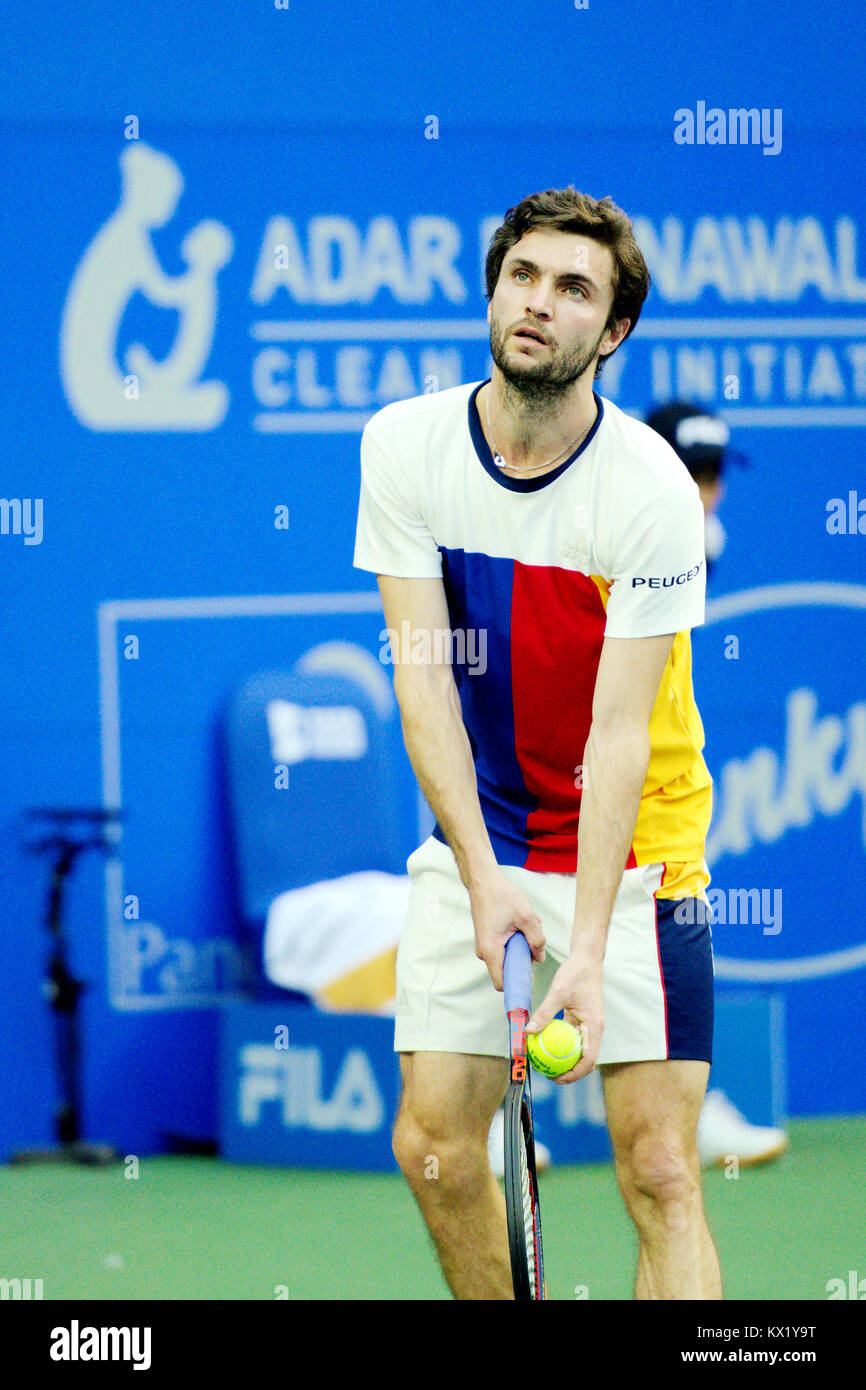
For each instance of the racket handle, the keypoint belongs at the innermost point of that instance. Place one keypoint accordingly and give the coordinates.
(517, 974)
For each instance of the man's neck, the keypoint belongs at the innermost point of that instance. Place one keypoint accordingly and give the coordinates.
(530, 434)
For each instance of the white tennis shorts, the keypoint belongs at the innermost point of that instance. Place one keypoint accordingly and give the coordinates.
(657, 975)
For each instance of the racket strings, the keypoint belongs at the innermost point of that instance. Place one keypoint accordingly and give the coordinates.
(528, 1215)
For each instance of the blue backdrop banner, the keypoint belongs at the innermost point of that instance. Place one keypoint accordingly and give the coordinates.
(212, 314)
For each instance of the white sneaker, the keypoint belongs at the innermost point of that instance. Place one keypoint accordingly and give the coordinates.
(496, 1149)
(723, 1133)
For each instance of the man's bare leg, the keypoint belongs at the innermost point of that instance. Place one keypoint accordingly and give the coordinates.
(652, 1113)
(440, 1142)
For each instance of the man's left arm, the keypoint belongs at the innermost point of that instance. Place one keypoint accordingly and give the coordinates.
(658, 572)
(616, 759)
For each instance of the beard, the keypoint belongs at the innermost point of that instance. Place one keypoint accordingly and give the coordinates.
(543, 382)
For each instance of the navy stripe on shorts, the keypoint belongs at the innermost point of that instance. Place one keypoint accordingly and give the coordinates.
(686, 962)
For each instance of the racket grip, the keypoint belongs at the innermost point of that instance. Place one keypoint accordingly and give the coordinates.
(517, 974)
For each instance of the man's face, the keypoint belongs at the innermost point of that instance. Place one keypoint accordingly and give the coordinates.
(558, 286)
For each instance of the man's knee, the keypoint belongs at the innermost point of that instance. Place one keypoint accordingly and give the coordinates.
(441, 1129)
(660, 1168)
(435, 1153)
(653, 1110)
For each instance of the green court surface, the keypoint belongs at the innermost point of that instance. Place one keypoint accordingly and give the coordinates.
(190, 1228)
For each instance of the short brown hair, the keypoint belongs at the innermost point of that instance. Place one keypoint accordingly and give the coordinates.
(566, 210)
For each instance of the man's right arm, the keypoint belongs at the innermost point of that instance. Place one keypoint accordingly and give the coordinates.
(433, 728)
(441, 756)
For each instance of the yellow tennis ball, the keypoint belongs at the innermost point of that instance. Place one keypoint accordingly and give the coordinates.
(556, 1049)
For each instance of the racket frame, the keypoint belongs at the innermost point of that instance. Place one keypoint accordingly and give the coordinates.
(519, 1131)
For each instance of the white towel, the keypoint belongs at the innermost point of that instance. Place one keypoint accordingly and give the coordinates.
(318, 934)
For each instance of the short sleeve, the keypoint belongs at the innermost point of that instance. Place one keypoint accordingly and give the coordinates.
(392, 536)
(659, 569)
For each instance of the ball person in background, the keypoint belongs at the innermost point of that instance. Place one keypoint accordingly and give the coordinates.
(702, 441)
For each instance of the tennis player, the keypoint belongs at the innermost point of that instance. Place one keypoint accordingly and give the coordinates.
(540, 557)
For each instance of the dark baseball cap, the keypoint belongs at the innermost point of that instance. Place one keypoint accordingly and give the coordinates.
(696, 434)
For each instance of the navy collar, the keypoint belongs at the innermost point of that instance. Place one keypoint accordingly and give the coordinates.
(482, 449)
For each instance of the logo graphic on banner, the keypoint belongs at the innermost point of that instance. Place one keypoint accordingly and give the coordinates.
(294, 1080)
(806, 778)
(120, 263)
(312, 372)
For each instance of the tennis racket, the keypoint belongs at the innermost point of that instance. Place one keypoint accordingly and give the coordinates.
(521, 1182)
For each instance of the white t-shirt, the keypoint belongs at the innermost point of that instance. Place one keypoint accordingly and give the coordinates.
(537, 572)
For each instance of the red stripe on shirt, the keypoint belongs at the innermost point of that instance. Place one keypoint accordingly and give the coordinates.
(557, 631)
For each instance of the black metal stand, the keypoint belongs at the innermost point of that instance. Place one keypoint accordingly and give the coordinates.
(60, 987)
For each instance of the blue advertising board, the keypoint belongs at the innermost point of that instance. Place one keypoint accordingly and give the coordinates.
(301, 1088)
(225, 308)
